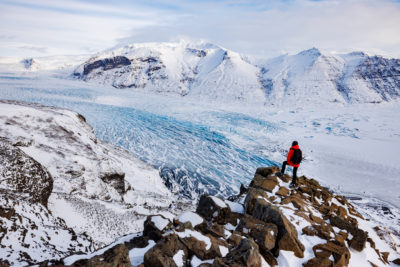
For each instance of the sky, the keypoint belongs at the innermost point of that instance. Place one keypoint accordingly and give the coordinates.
(259, 28)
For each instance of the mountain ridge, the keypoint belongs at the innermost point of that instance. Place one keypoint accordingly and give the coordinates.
(213, 72)
(210, 72)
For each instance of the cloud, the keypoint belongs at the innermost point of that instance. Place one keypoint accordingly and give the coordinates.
(40, 49)
(255, 27)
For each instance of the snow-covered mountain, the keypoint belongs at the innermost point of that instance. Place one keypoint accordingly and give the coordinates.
(201, 70)
(208, 71)
(65, 191)
(315, 76)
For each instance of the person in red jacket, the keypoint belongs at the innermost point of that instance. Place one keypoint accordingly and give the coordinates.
(293, 159)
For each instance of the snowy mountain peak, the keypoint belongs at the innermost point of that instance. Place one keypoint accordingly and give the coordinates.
(203, 70)
(311, 52)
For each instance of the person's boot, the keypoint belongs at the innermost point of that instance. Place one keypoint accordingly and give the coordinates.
(292, 185)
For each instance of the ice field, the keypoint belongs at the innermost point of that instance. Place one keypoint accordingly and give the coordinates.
(213, 147)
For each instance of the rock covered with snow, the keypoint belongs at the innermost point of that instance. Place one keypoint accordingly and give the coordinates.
(76, 192)
(30, 233)
(309, 226)
(23, 174)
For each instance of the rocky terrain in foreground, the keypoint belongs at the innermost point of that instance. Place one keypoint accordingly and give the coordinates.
(267, 224)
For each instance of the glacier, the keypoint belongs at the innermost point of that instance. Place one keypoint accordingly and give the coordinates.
(194, 157)
(207, 147)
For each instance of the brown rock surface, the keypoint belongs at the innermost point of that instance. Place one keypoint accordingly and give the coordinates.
(115, 256)
(283, 191)
(287, 233)
(163, 252)
(318, 262)
(266, 183)
(264, 234)
(151, 230)
(266, 171)
(211, 211)
(246, 254)
(251, 198)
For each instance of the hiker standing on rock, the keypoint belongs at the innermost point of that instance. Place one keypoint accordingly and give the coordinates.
(294, 158)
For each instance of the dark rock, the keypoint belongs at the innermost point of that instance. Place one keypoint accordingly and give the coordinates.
(161, 255)
(264, 234)
(200, 248)
(318, 262)
(359, 236)
(323, 230)
(106, 64)
(251, 198)
(116, 180)
(235, 239)
(24, 174)
(266, 183)
(115, 256)
(151, 230)
(266, 171)
(396, 261)
(287, 233)
(218, 262)
(216, 230)
(269, 258)
(340, 253)
(137, 242)
(359, 240)
(283, 191)
(213, 209)
(246, 254)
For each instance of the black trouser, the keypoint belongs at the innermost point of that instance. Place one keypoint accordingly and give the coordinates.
(294, 180)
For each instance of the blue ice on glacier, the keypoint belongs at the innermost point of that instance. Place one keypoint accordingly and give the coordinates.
(193, 157)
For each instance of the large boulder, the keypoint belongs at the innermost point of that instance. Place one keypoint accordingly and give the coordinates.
(203, 246)
(264, 234)
(213, 209)
(266, 183)
(266, 171)
(251, 198)
(115, 179)
(359, 236)
(166, 252)
(22, 173)
(115, 256)
(155, 226)
(246, 254)
(340, 253)
(287, 234)
(318, 262)
(359, 239)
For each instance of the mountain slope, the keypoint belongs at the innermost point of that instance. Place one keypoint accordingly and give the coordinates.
(207, 71)
(315, 76)
(202, 70)
(68, 179)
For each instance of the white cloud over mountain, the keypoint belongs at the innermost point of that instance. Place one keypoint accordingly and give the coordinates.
(251, 27)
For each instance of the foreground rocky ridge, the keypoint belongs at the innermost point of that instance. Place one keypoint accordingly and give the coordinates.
(267, 224)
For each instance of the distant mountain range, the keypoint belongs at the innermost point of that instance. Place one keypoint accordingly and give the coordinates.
(207, 71)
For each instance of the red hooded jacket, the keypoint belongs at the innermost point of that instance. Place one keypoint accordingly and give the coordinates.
(290, 154)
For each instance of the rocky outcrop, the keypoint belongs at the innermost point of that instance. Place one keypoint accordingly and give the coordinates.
(29, 232)
(115, 256)
(23, 174)
(270, 223)
(106, 64)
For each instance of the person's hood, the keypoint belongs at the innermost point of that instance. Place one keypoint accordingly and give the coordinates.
(295, 147)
